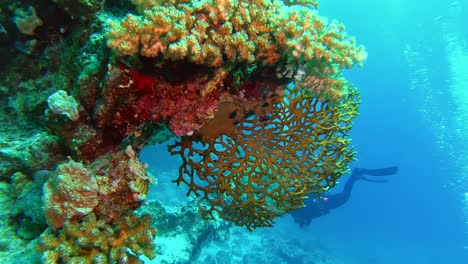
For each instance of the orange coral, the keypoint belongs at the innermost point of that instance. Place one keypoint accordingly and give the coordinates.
(265, 164)
(222, 32)
(94, 241)
(110, 187)
(70, 194)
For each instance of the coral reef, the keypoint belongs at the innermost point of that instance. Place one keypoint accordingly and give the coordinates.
(231, 32)
(253, 89)
(266, 166)
(95, 241)
(111, 186)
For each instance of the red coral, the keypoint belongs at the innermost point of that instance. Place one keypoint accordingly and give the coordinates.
(185, 105)
(181, 104)
(143, 82)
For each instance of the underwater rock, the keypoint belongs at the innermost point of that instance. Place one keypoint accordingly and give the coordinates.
(41, 151)
(61, 103)
(13, 249)
(27, 210)
(27, 20)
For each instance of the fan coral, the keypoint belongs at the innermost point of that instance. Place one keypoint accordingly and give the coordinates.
(265, 165)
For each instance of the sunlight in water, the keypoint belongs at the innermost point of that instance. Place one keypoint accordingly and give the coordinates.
(457, 58)
(445, 106)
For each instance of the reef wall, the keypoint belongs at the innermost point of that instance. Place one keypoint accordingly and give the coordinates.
(253, 92)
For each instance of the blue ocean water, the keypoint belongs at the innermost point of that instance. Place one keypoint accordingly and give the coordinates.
(414, 92)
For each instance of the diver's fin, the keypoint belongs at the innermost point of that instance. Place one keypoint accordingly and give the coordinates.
(380, 180)
(379, 172)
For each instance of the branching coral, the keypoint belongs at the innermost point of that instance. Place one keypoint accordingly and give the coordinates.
(266, 165)
(220, 73)
(95, 241)
(255, 90)
(234, 43)
(229, 32)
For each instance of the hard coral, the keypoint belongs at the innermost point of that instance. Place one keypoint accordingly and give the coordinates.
(71, 194)
(133, 98)
(264, 146)
(95, 241)
(223, 32)
(110, 187)
(266, 164)
(61, 103)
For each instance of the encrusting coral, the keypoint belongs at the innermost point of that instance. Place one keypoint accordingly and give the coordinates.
(111, 186)
(71, 194)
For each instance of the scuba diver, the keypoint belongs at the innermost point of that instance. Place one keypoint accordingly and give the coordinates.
(317, 207)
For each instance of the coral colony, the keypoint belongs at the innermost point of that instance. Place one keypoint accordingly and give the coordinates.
(253, 92)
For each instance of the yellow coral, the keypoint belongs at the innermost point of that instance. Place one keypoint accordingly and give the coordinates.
(266, 164)
(94, 241)
(266, 146)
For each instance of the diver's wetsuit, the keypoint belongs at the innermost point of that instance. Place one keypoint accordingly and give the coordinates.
(316, 207)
